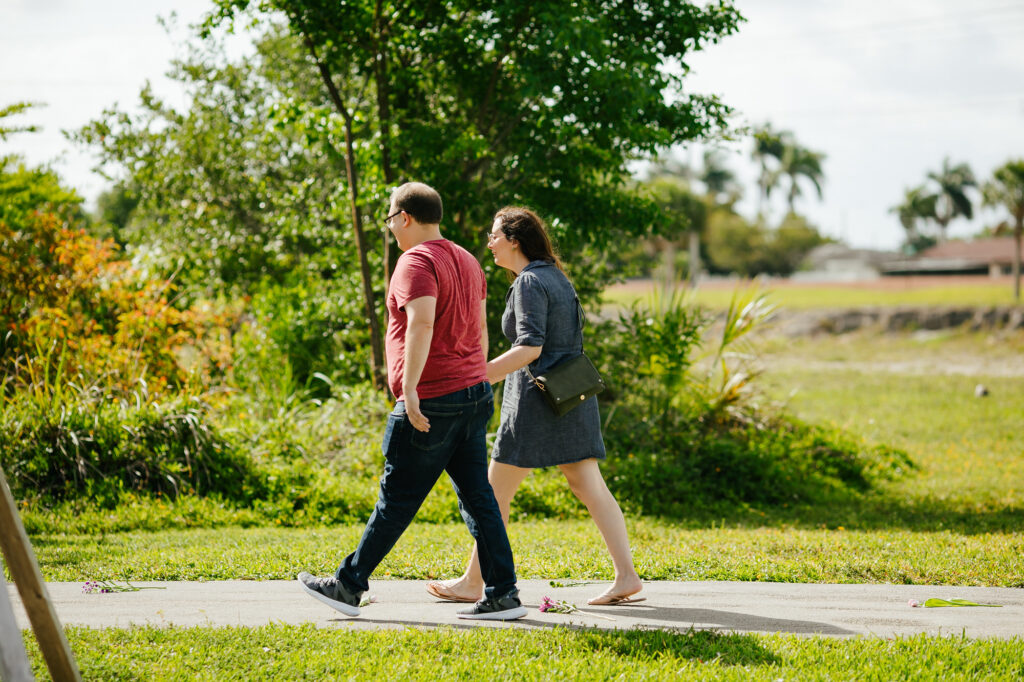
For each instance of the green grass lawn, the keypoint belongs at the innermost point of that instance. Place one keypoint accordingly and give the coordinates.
(957, 520)
(556, 549)
(280, 652)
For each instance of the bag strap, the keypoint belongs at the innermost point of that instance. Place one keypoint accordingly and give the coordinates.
(581, 317)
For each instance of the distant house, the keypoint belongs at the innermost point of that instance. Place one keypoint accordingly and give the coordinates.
(838, 262)
(991, 256)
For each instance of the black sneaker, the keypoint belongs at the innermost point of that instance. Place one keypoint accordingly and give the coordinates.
(507, 607)
(331, 592)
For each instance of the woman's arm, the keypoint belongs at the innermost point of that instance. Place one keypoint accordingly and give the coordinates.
(515, 358)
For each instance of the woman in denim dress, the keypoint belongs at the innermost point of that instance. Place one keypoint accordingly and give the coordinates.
(542, 321)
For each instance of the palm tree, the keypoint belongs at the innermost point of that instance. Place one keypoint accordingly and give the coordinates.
(768, 145)
(719, 180)
(798, 162)
(1006, 190)
(918, 204)
(953, 201)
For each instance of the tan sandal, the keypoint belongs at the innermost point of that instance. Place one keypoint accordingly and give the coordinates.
(442, 592)
(615, 601)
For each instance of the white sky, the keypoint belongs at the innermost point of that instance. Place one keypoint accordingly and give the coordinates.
(885, 88)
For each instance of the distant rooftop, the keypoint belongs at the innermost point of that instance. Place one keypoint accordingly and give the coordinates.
(992, 255)
(997, 250)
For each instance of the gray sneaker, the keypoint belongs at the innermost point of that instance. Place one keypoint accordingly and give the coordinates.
(506, 607)
(330, 591)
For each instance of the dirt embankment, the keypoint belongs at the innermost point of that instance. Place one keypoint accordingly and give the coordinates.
(900, 319)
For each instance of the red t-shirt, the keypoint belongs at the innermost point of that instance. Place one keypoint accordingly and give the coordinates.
(448, 272)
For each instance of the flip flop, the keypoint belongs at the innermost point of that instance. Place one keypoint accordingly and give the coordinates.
(439, 591)
(615, 601)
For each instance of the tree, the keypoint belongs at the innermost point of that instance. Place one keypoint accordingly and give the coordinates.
(490, 103)
(497, 103)
(238, 192)
(684, 215)
(13, 110)
(917, 205)
(769, 147)
(719, 181)
(750, 249)
(799, 163)
(780, 157)
(952, 202)
(1006, 190)
(114, 209)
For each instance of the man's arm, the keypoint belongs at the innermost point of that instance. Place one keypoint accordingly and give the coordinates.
(419, 332)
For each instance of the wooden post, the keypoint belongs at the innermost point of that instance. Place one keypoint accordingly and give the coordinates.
(25, 572)
(14, 665)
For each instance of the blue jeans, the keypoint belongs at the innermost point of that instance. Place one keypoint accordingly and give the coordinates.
(413, 461)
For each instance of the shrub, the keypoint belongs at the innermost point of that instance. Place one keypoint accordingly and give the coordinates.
(103, 447)
(682, 426)
(299, 330)
(71, 311)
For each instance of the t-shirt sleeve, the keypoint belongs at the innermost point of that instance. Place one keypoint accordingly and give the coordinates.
(413, 278)
(530, 303)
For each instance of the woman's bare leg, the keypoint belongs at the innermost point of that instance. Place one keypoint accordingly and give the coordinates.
(588, 485)
(505, 480)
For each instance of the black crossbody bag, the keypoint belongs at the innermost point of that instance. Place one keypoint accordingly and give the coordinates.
(568, 384)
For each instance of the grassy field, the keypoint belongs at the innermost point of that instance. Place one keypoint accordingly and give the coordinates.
(956, 520)
(911, 291)
(290, 653)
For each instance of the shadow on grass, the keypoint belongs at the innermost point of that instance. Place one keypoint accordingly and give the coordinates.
(641, 642)
(872, 512)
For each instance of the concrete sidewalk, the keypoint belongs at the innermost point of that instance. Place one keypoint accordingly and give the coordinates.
(742, 607)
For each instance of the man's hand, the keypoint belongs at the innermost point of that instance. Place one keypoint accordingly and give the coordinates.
(412, 410)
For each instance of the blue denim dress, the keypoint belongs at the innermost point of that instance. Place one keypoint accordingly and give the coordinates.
(540, 310)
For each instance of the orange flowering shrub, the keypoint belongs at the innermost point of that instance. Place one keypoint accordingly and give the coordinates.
(71, 311)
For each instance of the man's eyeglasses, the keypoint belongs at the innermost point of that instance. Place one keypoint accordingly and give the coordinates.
(388, 219)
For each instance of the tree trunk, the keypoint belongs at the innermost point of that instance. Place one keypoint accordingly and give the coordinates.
(376, 341)
(384, 114)
(695, 264)
(1018, 232)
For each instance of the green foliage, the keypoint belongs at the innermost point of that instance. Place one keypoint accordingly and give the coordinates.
(953, 183)
(102, 449)
(783, 159)
(917, 205)
(297, 330)
(686, 383)
(1006, 190)
(24, 191)
(72, 312)
(9, 110)
(750, 249)
(231, 190)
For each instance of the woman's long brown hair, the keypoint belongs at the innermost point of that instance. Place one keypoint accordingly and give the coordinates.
(525, 227)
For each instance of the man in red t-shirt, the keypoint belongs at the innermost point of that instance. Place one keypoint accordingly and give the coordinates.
(437, 369)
